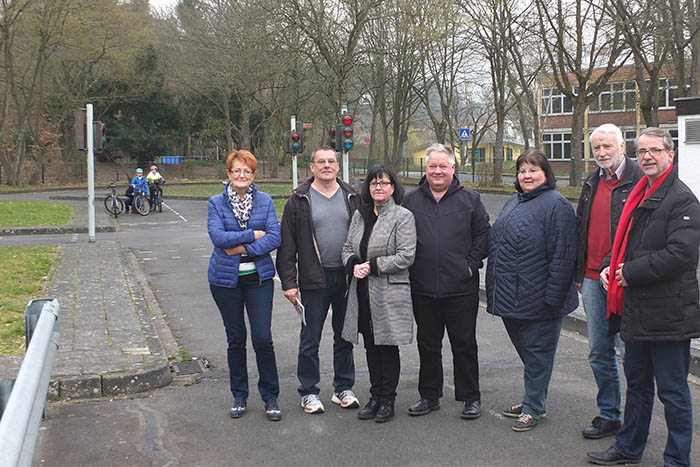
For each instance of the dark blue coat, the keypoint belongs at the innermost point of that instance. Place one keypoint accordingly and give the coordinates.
(225, 232)
(532, 257)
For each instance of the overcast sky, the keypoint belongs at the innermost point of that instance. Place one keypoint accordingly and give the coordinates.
(160, 4)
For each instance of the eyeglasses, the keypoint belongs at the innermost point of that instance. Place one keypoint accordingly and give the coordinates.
(653, 151)
(325, 162)
(381, 184)
(529, 171)
(238, 172)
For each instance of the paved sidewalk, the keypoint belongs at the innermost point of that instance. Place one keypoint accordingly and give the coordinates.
(109, 342)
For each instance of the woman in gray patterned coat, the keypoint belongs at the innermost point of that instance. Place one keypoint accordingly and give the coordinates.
(380, 247)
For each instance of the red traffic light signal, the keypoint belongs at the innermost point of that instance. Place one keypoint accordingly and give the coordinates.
(348, 139)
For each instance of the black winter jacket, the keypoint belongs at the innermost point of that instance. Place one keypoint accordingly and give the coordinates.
(298, 259)
(532, 256)
(452, 237)
(660, 266)
(630, 177)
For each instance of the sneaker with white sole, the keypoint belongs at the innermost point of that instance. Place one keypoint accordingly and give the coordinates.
(312, 404)
(346, 399)
(525, 422)
(516, 410)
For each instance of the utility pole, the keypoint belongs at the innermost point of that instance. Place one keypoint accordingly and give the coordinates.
(295, 175)
(91, 175)
(346, 153)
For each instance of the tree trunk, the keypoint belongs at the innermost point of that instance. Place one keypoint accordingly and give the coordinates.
(576, 138)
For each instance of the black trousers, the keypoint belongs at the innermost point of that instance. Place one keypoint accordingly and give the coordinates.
(383, 361)
(458, 316)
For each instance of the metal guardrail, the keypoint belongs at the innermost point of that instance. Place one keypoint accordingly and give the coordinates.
(21, 415)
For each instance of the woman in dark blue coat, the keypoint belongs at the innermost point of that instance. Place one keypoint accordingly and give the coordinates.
(530, 277)
(243, 227)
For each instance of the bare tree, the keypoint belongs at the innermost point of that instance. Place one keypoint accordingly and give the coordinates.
(583, 48)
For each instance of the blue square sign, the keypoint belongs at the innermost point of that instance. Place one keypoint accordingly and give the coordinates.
(464, 134)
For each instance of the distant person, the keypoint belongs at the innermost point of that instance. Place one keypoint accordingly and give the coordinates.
(314, 228)
(243, 227)
(155, 180)
(530, 278)
(599, 208)
(652, 284)
(379, 249)
(138, 185)
(452, 228)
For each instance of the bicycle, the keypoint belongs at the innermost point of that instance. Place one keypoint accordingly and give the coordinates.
(157, 192)
(141, 204)
(113, 204)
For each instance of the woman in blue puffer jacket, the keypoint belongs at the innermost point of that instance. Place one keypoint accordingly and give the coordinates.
(243, 227)
(530, 277)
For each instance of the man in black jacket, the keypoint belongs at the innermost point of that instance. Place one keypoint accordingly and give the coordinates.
(652, 282)
(602, 198)
(452, 226)
(314, 227)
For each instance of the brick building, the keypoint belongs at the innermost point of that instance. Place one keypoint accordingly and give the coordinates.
(617, 104)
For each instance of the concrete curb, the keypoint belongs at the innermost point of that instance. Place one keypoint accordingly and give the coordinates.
(53, 230)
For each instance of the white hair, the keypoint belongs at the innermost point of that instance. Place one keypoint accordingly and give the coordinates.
(611, 129)
(437, 147)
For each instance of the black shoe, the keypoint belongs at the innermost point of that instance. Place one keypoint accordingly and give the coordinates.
(369, 410)
(272, 411)
(424, 406)
(600, 428)
(385, 411)
(611, 457)
(471, 410)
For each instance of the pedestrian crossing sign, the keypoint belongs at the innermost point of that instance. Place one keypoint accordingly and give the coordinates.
(464, 134)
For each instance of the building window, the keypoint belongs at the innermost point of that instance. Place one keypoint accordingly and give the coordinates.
(619, 96)
(630, 136)
(555, 103)
(557, 145)
(509, 154)
(668, 90)
(478, 154)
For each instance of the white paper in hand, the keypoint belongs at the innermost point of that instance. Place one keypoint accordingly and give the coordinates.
(301, 310)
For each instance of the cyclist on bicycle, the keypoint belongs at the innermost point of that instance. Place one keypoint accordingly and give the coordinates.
(155, 180)
(138, 185)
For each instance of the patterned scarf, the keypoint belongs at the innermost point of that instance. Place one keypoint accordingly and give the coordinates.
(636, 197)
(241, 207)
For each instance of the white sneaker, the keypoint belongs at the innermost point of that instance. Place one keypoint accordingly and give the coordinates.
(346, 399)
(312, 404)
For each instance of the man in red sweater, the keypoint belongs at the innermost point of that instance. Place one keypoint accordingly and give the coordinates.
(602, 198)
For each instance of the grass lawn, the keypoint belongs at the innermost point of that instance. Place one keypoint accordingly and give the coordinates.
(23, 271)
(31, 213)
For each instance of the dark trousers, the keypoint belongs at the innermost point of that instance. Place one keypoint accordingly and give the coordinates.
(256, 297)
(316, 303)
(667, 363)
(536, 343)
(383, 362)
(458, 316)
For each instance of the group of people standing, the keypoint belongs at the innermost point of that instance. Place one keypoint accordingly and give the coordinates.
(383, 260)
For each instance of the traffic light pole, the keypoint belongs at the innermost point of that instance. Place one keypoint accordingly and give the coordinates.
(91, 175)
(346, 154)
(295, 175)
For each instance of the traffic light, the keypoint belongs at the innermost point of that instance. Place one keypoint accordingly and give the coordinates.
(297, 142)
(348, 137)
(332, 135)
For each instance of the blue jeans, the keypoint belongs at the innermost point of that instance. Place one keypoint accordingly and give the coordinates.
(256, 297)
(602, 357)
(316, 303)
(536, 343)
(668, 364)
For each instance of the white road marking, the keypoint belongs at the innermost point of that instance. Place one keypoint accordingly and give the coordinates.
(176, 213)
(176, 257)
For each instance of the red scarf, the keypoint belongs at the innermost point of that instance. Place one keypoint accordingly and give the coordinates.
(638, 195)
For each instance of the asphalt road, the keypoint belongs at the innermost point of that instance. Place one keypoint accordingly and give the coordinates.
(188, 424)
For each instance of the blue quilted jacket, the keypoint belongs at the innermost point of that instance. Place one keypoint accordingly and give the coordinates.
(532, 257)
(225, 233)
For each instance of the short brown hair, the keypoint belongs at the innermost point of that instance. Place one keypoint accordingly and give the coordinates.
(244, 156)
